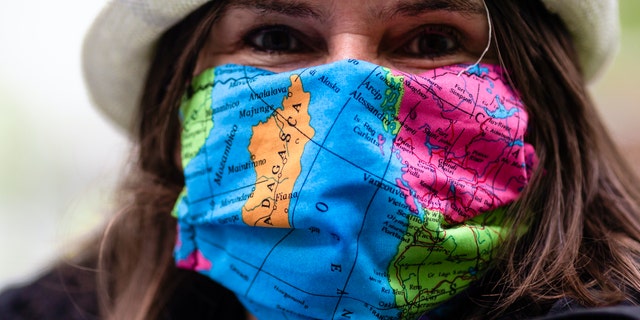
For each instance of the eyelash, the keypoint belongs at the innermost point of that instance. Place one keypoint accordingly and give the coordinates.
(294, 37)
(250, 39)
(449, 33)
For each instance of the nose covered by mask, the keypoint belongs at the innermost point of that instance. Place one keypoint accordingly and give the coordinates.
(348, 190)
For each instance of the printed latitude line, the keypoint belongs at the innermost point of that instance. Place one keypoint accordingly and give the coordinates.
(482, 175)
(274, 110)
(374, 175)
(453, 144)
(209, 85)
(245, 262)
(413, 77)
(259, 270)
(502, 164)
(292, 213)
(456, 73)
(226, 192)
(242, 78)
(475, 102)
(435, 76)
(264, 261)
(221, 248)
(322, 147)
(281, 117)
(429, 89)
(206, 87)
(366, 213)
(206, 150)
(508, 149)
(364, 218)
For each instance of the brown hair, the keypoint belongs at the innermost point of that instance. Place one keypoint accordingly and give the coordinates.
(135, 263)
(582, 205)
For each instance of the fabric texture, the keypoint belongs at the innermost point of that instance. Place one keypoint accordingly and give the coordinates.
(70, 294)
(119, 46)
(348, 188)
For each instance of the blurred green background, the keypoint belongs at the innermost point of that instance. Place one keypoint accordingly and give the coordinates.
(60, 159)
(617, 93)
(629, 10)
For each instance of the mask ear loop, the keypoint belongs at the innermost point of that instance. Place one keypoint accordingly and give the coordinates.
(486, 49)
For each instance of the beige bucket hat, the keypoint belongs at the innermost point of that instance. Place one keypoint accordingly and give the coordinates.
(118, 47)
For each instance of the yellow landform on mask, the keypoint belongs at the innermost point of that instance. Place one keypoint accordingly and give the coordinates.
(280, 140)
(197, 120)
(460, 254)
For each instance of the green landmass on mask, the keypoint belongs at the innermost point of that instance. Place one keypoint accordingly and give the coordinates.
(196, 113)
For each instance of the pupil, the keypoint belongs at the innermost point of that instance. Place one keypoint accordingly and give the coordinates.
(276, 40)
(433, 43)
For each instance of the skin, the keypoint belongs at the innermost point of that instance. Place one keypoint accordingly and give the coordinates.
(407, 35)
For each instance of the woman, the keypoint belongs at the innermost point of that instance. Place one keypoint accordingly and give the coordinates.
(565, 236)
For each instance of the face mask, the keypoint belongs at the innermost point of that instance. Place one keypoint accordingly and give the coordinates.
(348, 190)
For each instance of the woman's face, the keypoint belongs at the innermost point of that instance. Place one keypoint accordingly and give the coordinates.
(408, 35)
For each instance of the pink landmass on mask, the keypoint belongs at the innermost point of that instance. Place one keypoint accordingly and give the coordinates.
(381, 141)
(462, 143)
(195, 261)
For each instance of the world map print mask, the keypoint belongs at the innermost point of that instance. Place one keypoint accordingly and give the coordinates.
(347, 190)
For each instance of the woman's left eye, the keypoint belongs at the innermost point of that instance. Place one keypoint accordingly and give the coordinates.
(432, 42)
(274, 39)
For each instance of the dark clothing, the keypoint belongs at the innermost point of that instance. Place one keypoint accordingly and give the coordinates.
(64, 293)
(565, 312)
(70, 293)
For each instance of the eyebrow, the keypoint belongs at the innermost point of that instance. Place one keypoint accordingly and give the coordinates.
(415, 8)
(290, 8)
(299, 9)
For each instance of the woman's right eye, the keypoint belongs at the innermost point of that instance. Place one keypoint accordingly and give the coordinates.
(274, 39)
(433, 42)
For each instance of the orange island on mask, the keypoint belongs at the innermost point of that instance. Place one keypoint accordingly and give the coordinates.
(348, 188)
(346, 159)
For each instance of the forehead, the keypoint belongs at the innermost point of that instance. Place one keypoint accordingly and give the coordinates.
(379, 9)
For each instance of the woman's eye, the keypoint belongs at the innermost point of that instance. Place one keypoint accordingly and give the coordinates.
(274, 39)
(433, 42)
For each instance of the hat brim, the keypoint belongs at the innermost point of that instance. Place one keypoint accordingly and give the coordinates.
(118, 50)
(119, 46)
